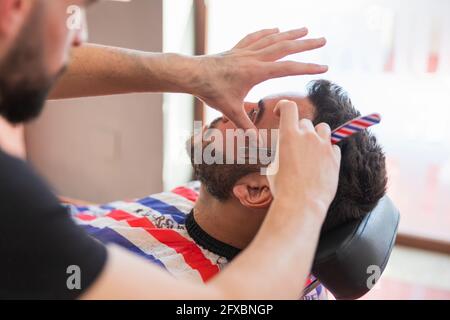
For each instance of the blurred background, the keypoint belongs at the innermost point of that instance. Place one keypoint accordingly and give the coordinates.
(393, 57)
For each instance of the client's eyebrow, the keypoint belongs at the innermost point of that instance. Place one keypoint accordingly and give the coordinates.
(261, 109)
(213, 124)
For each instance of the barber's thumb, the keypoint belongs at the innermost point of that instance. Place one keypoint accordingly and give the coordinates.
(288, 111)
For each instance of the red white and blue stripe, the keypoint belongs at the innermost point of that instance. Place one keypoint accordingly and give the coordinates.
(353, 126)
(154, 228)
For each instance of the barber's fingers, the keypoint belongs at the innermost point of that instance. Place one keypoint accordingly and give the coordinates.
(288, 111)
(306, 125)
(255, 36)
(324, 131)
(280, 69)
(287, 47)
(277, 37)
(289, 120)
(337, 152)
(289, 117)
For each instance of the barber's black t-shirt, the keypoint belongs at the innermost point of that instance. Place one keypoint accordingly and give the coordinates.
(43, 254)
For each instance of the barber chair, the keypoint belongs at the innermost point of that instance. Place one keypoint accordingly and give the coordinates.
(348, 257)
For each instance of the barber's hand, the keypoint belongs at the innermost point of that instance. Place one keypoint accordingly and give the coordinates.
(307, 164)
(225, 79)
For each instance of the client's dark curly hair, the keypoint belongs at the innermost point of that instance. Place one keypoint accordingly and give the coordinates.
(362, 177)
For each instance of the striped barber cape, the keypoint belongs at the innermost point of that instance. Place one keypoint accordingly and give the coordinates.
(154, 228)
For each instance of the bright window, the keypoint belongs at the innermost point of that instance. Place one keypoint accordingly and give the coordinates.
(392, 57)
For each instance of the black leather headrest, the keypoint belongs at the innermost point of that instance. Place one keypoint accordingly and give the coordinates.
(345, 253)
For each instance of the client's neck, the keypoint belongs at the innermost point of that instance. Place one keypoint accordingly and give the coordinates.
(227, 221)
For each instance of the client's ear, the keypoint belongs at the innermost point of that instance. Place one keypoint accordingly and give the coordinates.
(253, 191)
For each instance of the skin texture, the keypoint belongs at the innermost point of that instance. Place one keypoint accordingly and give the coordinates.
(287, 238)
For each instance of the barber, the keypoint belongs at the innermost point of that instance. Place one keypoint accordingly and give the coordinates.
(39, 242)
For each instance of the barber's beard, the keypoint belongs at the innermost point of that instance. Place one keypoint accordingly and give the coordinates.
(24, 100)
(24, 81)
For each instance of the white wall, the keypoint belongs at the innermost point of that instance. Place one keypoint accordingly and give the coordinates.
(106, 148)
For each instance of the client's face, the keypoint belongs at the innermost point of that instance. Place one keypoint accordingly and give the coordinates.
(220, 179)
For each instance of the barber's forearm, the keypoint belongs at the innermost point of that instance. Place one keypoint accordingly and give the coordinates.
(277, 262)
(99, 70)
